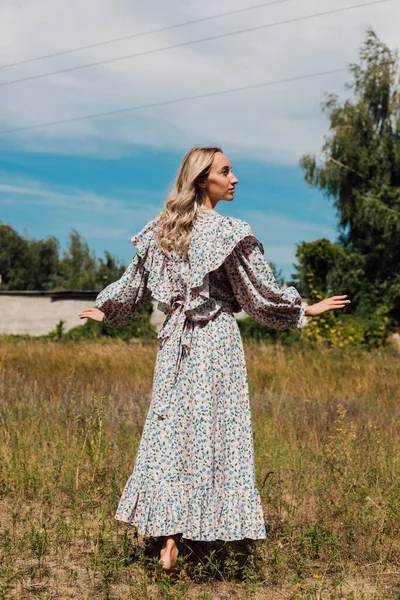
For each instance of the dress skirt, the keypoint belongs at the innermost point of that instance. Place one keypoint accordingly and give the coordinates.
(194, 470)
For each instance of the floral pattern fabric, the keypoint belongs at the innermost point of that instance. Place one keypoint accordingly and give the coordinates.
(194, 470)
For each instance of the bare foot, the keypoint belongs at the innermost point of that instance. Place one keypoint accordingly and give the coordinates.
(169, 552)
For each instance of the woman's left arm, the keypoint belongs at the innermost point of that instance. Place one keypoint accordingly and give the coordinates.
(256, 290)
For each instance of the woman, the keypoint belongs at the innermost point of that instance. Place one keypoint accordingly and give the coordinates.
(194, 472)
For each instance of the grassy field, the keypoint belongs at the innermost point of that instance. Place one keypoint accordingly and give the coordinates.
(327, 441)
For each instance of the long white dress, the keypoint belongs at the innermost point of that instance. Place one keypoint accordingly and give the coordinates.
(194, 469)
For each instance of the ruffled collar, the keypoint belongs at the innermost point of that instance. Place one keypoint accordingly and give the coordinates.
(212, 241)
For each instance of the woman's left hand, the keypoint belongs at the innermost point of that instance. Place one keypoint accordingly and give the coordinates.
(328, 304)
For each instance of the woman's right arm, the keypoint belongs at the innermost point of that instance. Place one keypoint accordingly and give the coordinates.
(117, 304)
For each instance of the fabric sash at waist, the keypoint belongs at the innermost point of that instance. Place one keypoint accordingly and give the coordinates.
(179, 324)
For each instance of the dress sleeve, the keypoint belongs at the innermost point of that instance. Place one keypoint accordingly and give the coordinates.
(255, 288)
(120, 300)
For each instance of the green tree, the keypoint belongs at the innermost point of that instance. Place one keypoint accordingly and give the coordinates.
(79, 268)
(108, 270)
(44, 263)
(361, 174)
(316, 259)
(26, 264)
(30, 264)
(14, 264)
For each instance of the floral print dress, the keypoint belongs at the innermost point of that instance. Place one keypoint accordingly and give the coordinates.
(194, 470)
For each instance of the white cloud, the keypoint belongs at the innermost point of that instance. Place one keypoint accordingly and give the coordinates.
(273, 123)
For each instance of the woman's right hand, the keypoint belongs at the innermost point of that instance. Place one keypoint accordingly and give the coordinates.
(328, 304)
(92, 313)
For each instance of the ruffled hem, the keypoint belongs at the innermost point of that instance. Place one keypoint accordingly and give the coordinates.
(202, 513)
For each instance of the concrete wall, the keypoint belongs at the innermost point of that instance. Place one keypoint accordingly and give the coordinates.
(38, 313)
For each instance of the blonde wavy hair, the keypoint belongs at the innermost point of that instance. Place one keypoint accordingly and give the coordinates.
(175, 222)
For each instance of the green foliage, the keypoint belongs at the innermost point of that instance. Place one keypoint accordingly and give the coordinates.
(26, 264)
(316, 261)
(252, 330)
(367, 326)
(361, 174)
(29, 264)
(79, 269)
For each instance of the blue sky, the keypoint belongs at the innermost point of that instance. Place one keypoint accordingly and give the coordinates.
(107, 177)
(108, 200)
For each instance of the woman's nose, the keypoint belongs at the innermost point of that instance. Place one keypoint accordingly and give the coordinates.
(234, 179)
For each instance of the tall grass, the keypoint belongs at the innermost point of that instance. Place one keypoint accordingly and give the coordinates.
(327, 441)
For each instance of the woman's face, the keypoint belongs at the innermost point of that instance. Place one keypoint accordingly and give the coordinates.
(220, 183)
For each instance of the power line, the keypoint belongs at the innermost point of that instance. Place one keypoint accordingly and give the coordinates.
(192, 42)
(168, 102)
(142, 34)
